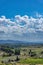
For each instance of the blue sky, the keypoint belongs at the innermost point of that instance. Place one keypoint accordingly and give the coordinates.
(11, 8)
(21, 20)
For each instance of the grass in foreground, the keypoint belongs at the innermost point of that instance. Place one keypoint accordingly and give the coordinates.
(32, 61)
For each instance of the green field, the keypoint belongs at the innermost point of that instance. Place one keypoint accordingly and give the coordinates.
(32, 61)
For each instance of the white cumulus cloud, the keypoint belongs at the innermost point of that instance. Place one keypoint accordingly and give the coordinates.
(21, 27)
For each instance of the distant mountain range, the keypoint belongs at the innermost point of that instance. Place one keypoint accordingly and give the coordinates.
(11, 41)
(18, 42)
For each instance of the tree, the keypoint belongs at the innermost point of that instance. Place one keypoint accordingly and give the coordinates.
(17, 58)
(17, 52)
(32, 54)
(41, 52)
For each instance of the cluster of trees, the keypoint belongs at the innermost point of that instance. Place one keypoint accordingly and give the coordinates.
(17, 51)
(10, 60)
(6, 50)
(10, 52)
(32, 54)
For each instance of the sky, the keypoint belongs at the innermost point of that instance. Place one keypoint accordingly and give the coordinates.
(21, 20)
(10, 8)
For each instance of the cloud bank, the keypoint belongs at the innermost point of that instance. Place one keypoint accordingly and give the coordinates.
(25, 28)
